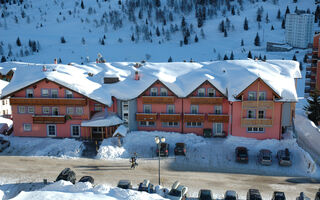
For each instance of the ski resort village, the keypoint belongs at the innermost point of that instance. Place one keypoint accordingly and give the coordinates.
(160, 99)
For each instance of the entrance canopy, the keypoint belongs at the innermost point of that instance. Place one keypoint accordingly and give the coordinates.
(100, 119)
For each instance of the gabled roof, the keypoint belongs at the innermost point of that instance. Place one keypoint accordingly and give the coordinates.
(206, 81)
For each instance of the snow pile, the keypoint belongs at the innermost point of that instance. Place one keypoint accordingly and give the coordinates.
(25, 146)
(212, 154)
(66, 190)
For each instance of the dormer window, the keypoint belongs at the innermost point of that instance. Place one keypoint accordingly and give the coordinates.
(201, 92)
(211, 92)
(69, 94)
(45, 92)
(29, 93)
(252, 96)
(154, 92)
(54, 93)
(163, 92)
(262, 96)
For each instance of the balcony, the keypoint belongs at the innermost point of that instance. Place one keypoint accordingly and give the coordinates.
(257, 104)
(193, 117)
(218, 118)
(206, 100)
(158, 99)
(245, 122)
(48, 101)
(49, 119)
(146, 116)
(165, 117)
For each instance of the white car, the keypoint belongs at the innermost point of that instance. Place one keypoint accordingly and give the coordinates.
(177, 192)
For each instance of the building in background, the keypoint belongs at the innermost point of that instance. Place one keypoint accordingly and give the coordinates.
(299, 29)
(5, 108)
(313, 70)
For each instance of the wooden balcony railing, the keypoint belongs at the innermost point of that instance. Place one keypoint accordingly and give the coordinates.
(257, 104)
(158, 99)
(245, 122)
(49, 119)
(193, 117)
(218, 118)
(206, 100)
(164, 117)
(146, 116)
(48, 101)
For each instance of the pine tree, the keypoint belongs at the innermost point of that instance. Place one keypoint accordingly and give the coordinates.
(225, 57)
(267, 18)
(294, 57)
(245, 24)
(221, 26)
(260, 58)
(82, 5)
(170, 59)
(300, 66)
(158, 3)
(258, 17)
(242, 43)
(225, 33)
(305, 58)
(62, 40)
(257, 40)
(185, 40)
(287, 10)
(272, 28)
(231, 56)
(279, 14)
(157, 32)
(283, 24)
(18, 42)
(132, 37)
(3, 59)
(232, 11)
(200, 22)
(102, 42)
(249, 55)
(183, 22)
(264, 58)
(313, 107)
(196, 39)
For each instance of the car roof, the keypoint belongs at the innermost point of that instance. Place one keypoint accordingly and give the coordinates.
(231, 193)
(123, 182)
(265, 151)
(180, 143)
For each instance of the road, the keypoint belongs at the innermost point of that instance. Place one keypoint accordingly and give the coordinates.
(35, 169)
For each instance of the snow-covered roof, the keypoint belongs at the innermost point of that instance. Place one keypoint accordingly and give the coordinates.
(121, 130)
(229, 77)
(100, 119)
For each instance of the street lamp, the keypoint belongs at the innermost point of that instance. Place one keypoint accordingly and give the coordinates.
(159, 141)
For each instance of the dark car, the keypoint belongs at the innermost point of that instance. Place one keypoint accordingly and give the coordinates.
(180, 149)
(125, 184)
(265, 157)
(67, 175)
(87, 179)
(164, 150)
(317, 197)
(242, 154)
(278, 196)
(253, 194)
(302, 196)
(205, 195)
(231, 195)
(284, 157)
(146, 186)
(4, 144)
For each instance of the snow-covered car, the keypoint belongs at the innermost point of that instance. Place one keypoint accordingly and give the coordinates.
(284, 157)
(302, 196)
(177, 192)
(242, 154)
(67, 175)
(265, 157)
(146, 186)
(278, 196)
(4, 144)
(231, 195)
(205, 194)
(125, 184)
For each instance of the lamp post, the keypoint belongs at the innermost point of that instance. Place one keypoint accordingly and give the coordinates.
(158, 141)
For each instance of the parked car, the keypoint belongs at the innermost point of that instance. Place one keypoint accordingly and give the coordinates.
(164, 150)
(317, 197)
(242, 154)
(146, 186)
(4, 144)
(253, 194)
(284, 157)
(278, 196)
(67, 175)
(87, 179)
(180, 149)
(265, 157)
(302, 196)
(230, 195)
(177, 192)
(205, 195)
(125, 184)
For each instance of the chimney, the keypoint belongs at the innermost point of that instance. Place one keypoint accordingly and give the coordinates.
(44, 68)
(136, 76)
(55, 61)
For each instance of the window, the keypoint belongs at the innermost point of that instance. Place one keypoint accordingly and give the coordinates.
(69, 94)
(252, 96)
(211, 92)
(194, 124)
(194, 109)
(54, 93)
(51, 130)
(261, 114)
(75, 130)
(217, 128)
(217, 109)
(262, 96)
(251, 114)
(29, 93)
(30, 109)
(154, 92)
(70, 110)
(255, 129)
(147, 123)
(97, 107)
(21, 109)
(201, 92)
(3, 102)
(147, 108)
(45, 110)
(26, 127)
(170, 124)
(55, 111)
(45, 92)
(170, 109)
(125, 105)
(79, 111)
(163, 92)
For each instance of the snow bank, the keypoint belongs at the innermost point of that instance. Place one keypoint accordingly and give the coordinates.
(66, 190)
(25, 146)
(212, 154)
